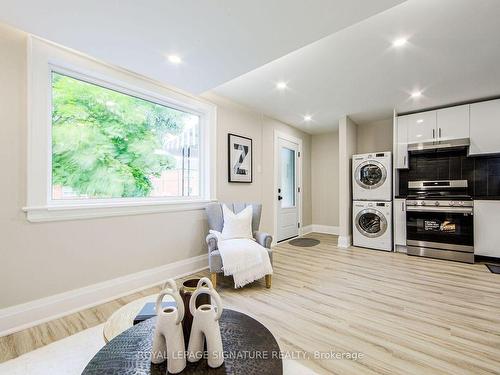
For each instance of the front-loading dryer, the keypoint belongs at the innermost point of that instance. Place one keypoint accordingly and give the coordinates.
(372, 176)
(372, 224)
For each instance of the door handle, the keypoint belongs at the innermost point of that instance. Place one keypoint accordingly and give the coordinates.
(439, 132)
(448, 210)
(280, 197)
(404, 160)
(433, 133)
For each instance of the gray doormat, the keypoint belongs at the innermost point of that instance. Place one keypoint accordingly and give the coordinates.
(494, 268)
(304, 242)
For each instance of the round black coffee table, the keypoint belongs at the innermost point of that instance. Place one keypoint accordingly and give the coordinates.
(249, 348)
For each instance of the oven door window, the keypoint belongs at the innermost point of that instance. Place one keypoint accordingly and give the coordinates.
(371, 223)
(370, 174)
(442, 227)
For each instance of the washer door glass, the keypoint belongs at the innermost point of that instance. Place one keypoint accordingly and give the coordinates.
(370, 174)
(371, 223)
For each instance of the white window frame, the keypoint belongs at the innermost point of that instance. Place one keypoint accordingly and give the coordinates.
(45, 58)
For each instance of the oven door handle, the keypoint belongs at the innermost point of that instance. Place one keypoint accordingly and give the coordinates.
(461, 210)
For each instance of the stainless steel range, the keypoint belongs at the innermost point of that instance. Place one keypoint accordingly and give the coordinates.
(439, 220)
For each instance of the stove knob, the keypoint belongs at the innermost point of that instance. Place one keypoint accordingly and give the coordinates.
(436, 203)
(422, 203)
(452, 204)
(460, 203)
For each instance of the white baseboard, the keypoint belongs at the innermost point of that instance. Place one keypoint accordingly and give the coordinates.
(19, 317)
(306, 229)
(327, 229)
(344, 242)
(318, 228)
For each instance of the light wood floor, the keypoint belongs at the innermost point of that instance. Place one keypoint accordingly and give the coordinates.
(407, 315)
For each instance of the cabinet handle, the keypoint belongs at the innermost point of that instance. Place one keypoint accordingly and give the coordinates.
(433, 133)
(404, 161)
(439, 132)
(403, 206)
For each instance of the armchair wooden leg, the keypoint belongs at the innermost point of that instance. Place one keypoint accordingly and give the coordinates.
(268, 281)
(213, 278)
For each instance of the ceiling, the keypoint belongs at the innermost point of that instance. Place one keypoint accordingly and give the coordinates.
(217, 40)
(452, 55)
(335, 55)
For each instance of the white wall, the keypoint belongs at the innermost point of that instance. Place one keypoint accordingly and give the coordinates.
(233, 118)
(375, 136)
(347, 148)
(331, 160)
(326, 168)
(325, 179)
(38, 260)
(42, 259)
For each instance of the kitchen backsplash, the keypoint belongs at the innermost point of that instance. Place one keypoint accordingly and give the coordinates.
(482, 173)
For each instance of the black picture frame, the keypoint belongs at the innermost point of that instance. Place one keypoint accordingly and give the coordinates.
(232, 163)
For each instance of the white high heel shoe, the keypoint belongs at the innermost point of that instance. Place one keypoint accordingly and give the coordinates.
(168, 340)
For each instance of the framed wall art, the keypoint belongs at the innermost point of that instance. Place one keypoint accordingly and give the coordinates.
(240, 156)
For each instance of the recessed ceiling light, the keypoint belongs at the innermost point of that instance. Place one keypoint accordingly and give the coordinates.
(416, 94)
(281, 85)
(419, 121)
(399, 42)
(307, 118)
(174, 59)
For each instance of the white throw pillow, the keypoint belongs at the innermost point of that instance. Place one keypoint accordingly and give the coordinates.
(237, 225)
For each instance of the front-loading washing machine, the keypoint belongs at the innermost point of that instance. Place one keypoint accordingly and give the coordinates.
(372, 176)
(372, 224)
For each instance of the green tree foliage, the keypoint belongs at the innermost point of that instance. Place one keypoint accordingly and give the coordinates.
(104, 143)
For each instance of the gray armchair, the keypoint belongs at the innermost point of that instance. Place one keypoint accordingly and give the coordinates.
(216, 222)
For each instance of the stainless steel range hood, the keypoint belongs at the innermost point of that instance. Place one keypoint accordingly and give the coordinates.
(441, 145)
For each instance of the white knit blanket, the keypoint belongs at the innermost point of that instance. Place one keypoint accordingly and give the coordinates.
(245, 260)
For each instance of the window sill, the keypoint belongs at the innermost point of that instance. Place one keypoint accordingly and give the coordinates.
(62, 212)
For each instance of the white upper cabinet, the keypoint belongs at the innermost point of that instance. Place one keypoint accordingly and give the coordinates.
(453, 123)
(421, 127)
(441, 125)
(402, 143)
(485, 127)
(478, 121)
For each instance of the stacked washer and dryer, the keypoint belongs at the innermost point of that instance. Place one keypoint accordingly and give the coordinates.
(372, 200)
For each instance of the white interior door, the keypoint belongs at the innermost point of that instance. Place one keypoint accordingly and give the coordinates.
(288, 203)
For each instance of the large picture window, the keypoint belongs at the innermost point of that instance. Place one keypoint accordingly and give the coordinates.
(106, 144)
(103, 141)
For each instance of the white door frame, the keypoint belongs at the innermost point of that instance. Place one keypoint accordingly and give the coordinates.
(277, 135)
